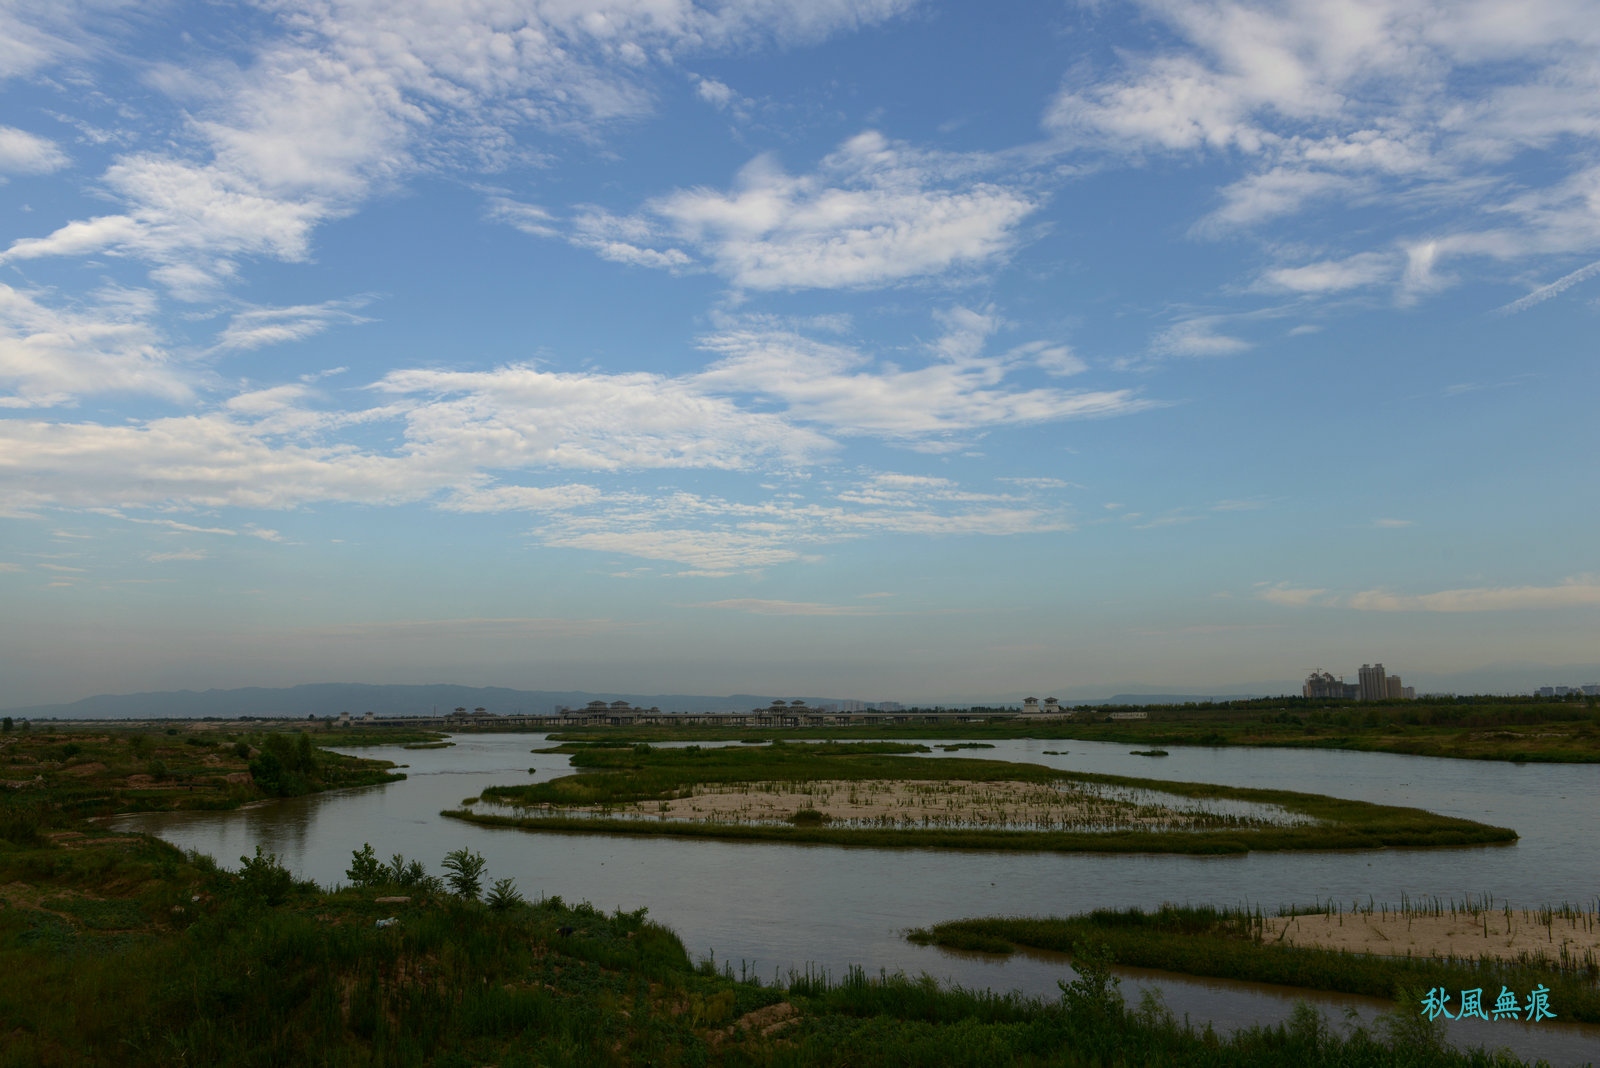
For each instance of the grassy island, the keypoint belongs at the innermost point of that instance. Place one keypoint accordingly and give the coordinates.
(1558, 950)
(876, 794)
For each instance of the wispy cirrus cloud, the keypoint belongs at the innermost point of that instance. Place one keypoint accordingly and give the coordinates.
(1581, 591)
(1576, 592)
(759, 607)
(1290, 596)
(258, 327)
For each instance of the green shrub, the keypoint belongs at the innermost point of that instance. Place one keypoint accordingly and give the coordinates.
(365, 867)
(503, 895)
(262, 879)
(466, 873)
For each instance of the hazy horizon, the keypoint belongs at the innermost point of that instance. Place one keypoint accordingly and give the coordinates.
(879, 347)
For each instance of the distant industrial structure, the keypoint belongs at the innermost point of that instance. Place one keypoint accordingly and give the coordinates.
(1375, 685)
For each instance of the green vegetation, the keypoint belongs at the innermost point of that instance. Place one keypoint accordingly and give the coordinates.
(123, 951)
(613, 776)
(117, 949)
(51, 779)
(1230, 944)
(357, 737)
(1475, 728)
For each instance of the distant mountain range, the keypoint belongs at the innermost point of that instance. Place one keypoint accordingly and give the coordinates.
(330, 699)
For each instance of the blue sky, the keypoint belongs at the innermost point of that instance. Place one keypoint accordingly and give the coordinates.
(872, 348)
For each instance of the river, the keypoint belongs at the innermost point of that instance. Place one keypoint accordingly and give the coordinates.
(768, 908)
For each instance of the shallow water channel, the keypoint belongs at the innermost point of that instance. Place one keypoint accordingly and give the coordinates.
(768, 908)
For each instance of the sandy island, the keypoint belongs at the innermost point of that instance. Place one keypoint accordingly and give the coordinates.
(918, 803)
(1463, 934)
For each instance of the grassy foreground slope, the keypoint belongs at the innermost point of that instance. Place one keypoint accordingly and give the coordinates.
(121, 951)
(612, 776)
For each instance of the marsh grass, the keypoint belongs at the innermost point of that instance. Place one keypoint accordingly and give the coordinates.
(1234, 944)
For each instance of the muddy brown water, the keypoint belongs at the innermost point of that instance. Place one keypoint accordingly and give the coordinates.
(768, 908)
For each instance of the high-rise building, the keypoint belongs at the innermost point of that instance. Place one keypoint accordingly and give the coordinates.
(1393, 689)
(1322, 684)
(1374, 685)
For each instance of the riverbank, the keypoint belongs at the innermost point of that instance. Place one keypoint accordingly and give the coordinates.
(1494, 730)
(59, 775)
(979, 804)
(1240, 944)
(122, 951)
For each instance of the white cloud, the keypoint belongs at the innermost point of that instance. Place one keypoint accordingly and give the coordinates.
(715, 93)
(1575, 592)
(958, 390)
(1545, 292)
(1420, 111)
(1197, 337)
(756, 606)
(1271, 194)
(529, 218)
(523, 498)
(1058, 360)
(51, 356)
(360, 93)
(257, 327)
(874, 213)
(24, 153)
(1290, 596)
(182, 554)
(521, 417)
(1332, 276)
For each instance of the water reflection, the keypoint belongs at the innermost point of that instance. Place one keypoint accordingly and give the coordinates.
(776, 907)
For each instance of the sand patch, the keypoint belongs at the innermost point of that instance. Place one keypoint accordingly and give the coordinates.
(1464, 934)
(930, 803)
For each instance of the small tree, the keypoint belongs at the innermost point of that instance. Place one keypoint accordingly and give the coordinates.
(466, 873)
(264, 879)
(503, 895)
(410, 875)
(365, 867)
(7, 726)
(1092, 996)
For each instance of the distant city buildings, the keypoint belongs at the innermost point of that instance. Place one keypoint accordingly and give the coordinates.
(1375, 685)
(1591, 690)
(1321, 685)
